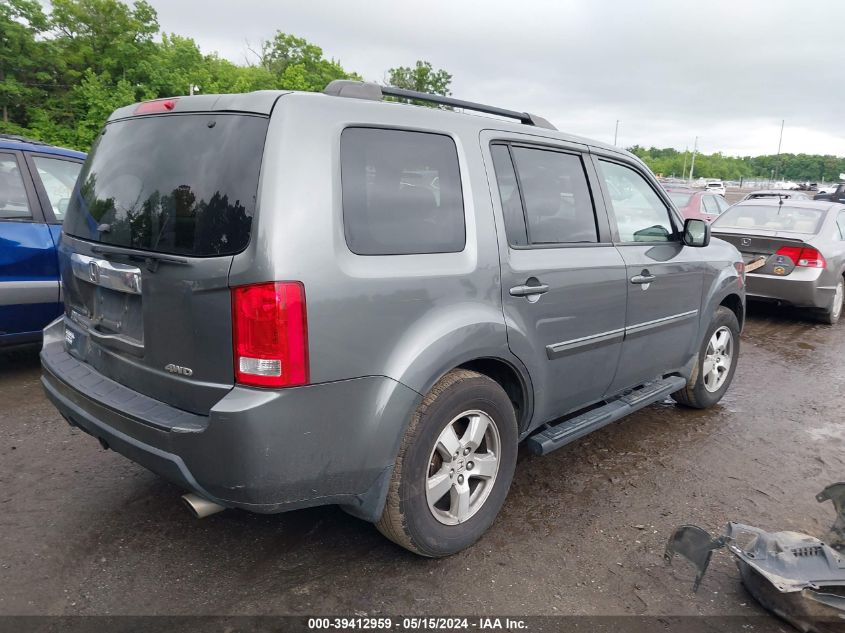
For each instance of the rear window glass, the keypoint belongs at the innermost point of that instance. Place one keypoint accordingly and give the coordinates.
(181, 184)
(709, 204)
(401, 192)
(558, 205)
(680, 199)
(771, 218)
(509, 193)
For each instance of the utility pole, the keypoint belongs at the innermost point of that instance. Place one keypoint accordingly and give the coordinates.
(692, 166)
(616, 132)
(684, 171)
(780, 142)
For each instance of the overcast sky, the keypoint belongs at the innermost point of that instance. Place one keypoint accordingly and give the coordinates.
(669, 70)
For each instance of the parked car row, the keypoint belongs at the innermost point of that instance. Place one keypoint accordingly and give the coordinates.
(834, 194)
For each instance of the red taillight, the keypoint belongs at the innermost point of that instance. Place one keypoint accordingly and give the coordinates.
(806, 257)
(159, 105)
(270, 334)
(740, 271)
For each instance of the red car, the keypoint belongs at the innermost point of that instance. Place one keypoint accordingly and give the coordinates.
(698, 204)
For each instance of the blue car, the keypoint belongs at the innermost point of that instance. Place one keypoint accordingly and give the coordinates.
(36, 181)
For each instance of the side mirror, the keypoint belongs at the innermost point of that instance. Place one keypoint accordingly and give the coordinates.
(696, 233)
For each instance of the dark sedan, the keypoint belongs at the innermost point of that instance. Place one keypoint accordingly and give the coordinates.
(794, 251)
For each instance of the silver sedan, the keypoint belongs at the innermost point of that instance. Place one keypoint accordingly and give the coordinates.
(794, 251)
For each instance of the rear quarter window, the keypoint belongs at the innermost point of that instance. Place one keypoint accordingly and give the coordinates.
(401, 192)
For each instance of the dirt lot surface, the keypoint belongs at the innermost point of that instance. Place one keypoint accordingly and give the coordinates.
(84, 531)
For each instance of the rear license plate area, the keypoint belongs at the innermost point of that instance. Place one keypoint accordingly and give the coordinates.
(117, 313)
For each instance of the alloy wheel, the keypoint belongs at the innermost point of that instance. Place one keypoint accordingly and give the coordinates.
(462, 467)
(718, 359)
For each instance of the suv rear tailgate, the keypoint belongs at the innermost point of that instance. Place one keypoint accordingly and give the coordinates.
(163, 205)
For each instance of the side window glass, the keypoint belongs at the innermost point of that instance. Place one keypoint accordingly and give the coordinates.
(13, 201)
(509, 194)
(723, 204)
(558, 205)
(709, 203)
(401, 192)
(58, 178)
(640, 214)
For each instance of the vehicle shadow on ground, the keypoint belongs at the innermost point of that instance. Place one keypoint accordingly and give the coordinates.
(768, 311)
(19, 360)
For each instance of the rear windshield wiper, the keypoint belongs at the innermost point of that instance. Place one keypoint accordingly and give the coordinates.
(152, 259)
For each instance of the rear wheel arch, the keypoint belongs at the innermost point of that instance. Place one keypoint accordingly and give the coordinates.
(515, 383)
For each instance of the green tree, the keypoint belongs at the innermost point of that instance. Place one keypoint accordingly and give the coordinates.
(796, 167)
(104, 36)
(421, 78)
(96, 98)
(23, 59)
(299, 65)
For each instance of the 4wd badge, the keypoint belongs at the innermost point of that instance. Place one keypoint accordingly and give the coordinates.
(178, 369)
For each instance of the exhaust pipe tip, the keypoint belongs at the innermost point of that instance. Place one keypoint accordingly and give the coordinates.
(199, 506)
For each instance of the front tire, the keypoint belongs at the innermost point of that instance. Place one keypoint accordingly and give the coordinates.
(454, 467)
(716, 364)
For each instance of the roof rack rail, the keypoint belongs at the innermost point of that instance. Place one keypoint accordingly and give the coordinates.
(22, 139)
(374, 92)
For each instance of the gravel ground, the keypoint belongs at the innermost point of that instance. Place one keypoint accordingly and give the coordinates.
(84, 531)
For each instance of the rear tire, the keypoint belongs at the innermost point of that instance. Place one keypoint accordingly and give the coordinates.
(833, 312)
(440, 502)
(716, 364)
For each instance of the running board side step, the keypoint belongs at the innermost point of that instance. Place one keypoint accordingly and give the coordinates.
(561, 434)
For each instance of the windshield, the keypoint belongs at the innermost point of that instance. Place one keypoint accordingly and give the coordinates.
(680, 199)
(181, 184)
(771, 218)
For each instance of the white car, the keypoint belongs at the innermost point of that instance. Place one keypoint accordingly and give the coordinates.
(716, 186)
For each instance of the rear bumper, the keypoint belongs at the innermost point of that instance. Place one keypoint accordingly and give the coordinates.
(259, 450)
(803, 288)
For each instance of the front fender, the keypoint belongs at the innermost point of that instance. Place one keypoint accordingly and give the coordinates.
(724, 280)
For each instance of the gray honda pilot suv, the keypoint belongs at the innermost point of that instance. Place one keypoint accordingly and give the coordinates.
(279, 300)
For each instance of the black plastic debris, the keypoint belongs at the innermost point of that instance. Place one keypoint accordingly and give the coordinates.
(795, 576)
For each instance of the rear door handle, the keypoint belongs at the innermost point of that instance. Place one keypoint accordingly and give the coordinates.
(527, 291)
(643, 279)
